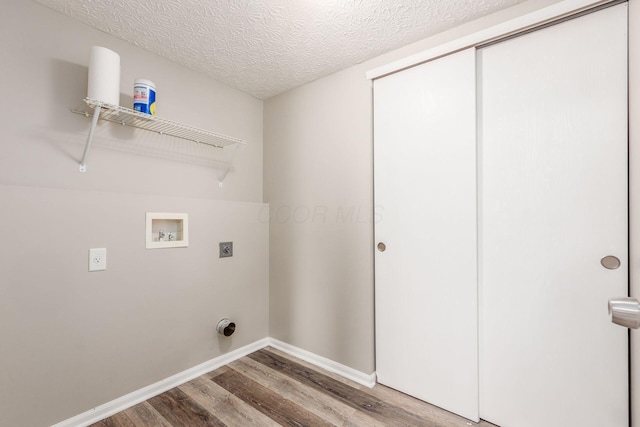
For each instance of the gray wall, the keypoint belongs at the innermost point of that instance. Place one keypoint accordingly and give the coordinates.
(319, 185)
(72, 340)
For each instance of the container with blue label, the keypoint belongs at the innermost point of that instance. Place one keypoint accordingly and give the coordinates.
(144, 96)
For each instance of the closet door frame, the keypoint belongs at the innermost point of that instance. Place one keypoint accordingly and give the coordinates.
(634, 198)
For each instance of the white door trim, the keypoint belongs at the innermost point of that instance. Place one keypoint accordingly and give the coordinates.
(634, 199)
(530, 20)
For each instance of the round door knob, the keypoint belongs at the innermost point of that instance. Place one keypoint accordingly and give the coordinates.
(610, 262)
(382, 247)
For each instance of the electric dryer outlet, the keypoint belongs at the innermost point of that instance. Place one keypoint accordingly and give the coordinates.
(226, 249)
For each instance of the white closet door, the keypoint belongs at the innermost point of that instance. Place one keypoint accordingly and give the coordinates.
(553, 202)
(425, 195)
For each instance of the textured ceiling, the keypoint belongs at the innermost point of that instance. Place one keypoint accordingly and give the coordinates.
(265, 47)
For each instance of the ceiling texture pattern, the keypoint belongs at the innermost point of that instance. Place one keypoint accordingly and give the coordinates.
(266, 47)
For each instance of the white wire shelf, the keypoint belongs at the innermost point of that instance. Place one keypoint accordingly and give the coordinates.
(128, 117)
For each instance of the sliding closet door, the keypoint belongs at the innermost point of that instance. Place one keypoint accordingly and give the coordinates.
(553, 202)
(425, 195)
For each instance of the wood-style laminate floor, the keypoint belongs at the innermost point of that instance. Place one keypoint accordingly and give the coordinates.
(271, 388)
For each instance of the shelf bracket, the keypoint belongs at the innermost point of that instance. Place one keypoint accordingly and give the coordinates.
(94, 122)
(224, 173)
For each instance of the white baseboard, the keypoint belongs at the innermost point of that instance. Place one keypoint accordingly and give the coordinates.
(103, 411)
(367, 380)
(120, 404)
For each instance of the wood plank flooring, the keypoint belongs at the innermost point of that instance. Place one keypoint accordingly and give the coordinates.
(271, 388)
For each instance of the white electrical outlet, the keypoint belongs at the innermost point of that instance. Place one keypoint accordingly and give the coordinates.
(97, 259)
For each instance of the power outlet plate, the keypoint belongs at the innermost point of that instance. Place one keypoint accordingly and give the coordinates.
(97, 259)
(226, 249)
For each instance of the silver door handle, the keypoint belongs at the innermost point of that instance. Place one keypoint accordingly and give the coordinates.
(625, 312)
